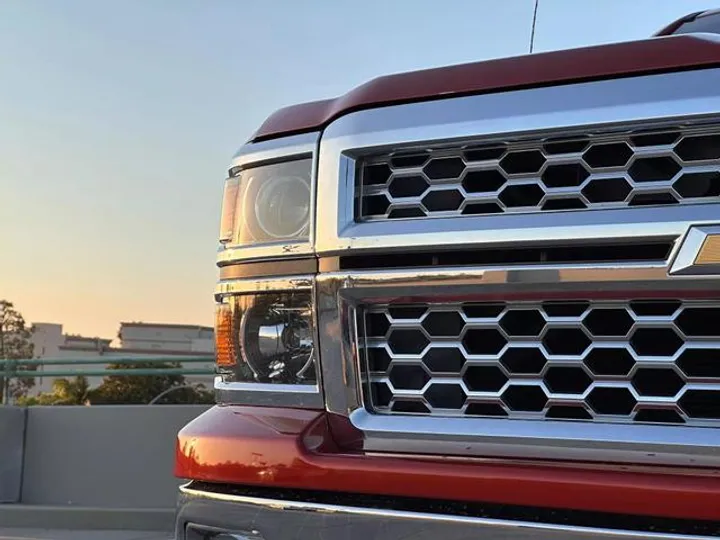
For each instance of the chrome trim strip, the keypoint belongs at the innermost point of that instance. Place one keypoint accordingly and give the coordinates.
(269, 395)
(340, 293)
(610, 103)
(368, 285)
(504, 528)
(684, 263)
(550, 228)
(579, 441)
(253, 285)
(278, 395)
(275, 149)
(233, 254)
(193, 531)
(423, 278)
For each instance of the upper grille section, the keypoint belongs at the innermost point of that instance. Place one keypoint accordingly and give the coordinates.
(616, 361)
(678, 165)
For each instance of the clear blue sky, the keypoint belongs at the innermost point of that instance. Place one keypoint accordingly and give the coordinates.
(118, 119)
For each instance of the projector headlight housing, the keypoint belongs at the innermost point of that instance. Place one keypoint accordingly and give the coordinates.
(267, 204)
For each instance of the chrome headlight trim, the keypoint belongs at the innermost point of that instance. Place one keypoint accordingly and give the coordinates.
(262, 394)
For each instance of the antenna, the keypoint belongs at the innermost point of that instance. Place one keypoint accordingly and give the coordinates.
(534, 21)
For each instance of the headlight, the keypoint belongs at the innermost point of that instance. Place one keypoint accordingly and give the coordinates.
(267, 204)
(266, 338)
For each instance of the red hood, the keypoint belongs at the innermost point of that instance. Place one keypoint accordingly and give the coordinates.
(673, 53)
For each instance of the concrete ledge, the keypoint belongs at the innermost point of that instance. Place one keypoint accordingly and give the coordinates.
(87, 518)
(68, 534)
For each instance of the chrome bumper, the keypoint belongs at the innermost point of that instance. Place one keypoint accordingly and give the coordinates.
(205, 516)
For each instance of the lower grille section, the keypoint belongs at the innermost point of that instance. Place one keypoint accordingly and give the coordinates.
(650, 361)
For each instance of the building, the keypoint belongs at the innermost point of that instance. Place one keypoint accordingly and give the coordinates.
(50, 342)
(166, 337)
(173, 341)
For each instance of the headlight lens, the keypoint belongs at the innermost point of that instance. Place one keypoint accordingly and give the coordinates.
(282, 208)
(267, 204)
(266, 338)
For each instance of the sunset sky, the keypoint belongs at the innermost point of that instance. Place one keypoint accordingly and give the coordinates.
(118, 119)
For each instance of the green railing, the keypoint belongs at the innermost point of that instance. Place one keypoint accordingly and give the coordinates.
(83, 367)
(14, 368)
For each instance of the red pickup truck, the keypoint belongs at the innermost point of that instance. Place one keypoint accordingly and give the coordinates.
(474, 301)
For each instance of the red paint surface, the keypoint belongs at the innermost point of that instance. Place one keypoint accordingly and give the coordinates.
(293, 449)
(655, 55)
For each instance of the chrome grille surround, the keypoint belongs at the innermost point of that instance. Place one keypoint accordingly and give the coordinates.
(343, 296)
(652, 102)
(605, 361)
(600, 169)
(660, 101)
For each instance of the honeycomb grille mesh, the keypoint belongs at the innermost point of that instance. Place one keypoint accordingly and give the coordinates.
(627, 169)
(654, 361)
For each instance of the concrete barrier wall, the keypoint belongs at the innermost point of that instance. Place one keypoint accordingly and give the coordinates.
(102, 456)
(12, 438)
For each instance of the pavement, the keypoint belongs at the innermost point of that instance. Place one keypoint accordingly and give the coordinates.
(42, 522)
(64, 534)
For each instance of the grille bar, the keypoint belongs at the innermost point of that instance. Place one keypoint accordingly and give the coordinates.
(657, 167)
(657, 252)
(649, 361)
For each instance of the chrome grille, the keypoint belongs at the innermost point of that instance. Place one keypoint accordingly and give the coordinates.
(679, 165)
(652, 361)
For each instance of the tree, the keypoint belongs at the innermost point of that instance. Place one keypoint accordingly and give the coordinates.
(124, 389)
(15, 344)
(74, 391)
(135, 389)
(138, 389)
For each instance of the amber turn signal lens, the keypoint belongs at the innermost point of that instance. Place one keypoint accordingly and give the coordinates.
(224, 344)
(710, 251)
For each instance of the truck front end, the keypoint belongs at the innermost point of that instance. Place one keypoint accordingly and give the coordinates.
(478, 300)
